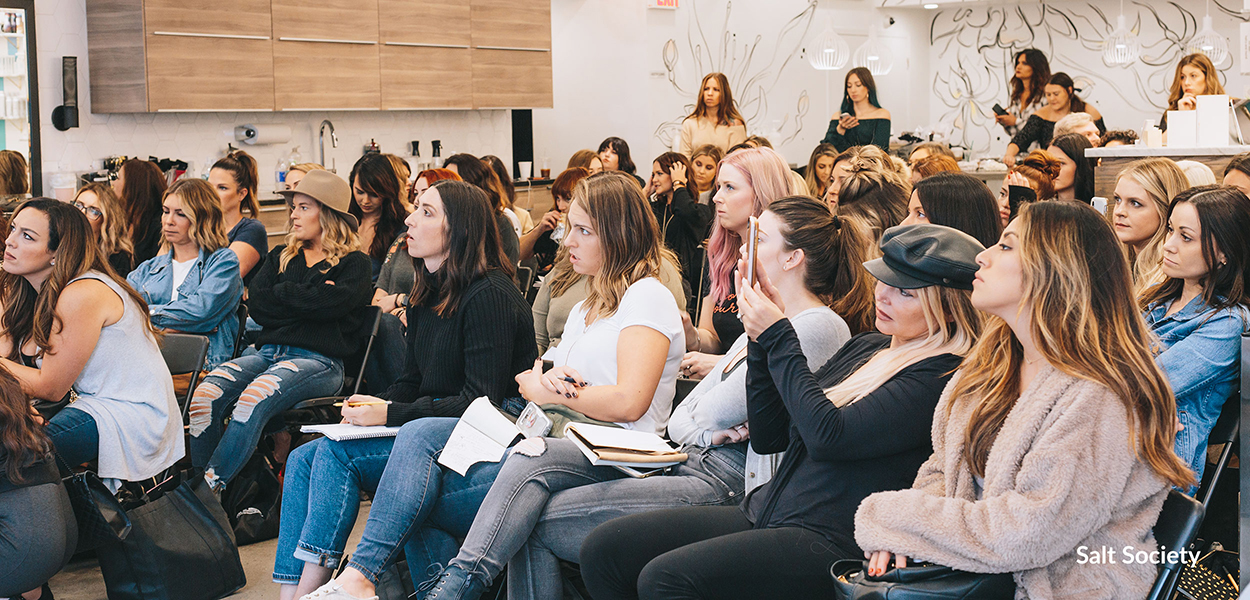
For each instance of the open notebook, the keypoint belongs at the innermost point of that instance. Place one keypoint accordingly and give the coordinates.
(346, 431)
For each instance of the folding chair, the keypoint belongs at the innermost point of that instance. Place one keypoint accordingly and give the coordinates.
(1176, 529)
(321, 409)
(239, 344)
(185, 354)
(1225, 432)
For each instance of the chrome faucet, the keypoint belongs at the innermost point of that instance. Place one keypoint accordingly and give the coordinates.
(321, 141)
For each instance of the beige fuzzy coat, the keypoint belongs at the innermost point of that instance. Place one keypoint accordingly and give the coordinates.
(1061, 475)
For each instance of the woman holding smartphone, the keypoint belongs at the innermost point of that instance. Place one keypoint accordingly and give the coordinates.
(684, 223)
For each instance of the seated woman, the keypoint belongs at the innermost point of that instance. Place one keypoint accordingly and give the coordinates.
(141, 185)
(925, 150)
(1143, 191)
(469, 333)
(932, 165)
(748, 181)
(1032, 179)
(1057, 432)
(545, 502)
(542, 243)
(307, 298)
(376, 205)
(820, 169)
(1195, 76)
(862, 121)
(1200, 309)
(195, 287)
(875, 198)
(108, 221)
(617, 362)
(235, 178)
(956, 200)
(858, 425)
(472, 170)
(705, 161)
(40, 531)
(522, 222)
(1061, 100)
(614, 155)
(1075, 181)
(684, 223)
(72, 326)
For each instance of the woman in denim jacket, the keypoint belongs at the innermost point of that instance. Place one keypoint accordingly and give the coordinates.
(1199, 311)
(195, 286)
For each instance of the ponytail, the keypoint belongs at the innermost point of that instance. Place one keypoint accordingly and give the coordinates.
(242, 167)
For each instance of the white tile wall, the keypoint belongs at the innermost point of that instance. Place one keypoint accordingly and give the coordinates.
(202, 137)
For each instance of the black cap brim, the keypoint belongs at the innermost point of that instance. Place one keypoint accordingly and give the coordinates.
(882, 271)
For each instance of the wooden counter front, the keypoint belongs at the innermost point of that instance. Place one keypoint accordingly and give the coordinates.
(1116, 158)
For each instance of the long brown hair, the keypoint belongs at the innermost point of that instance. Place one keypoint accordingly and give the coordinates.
(629, 239)
(202, 207)
(1078, 295)
(1224, 216)
(473, 249)
(1037, 83)
(143, 186)
(1202, 63)
(13, 171)
(668, 159)
(22, 439)
(242, 167)
(475, 171)
(815, 187)
(375, 174)
(726, 112)
(30, 314)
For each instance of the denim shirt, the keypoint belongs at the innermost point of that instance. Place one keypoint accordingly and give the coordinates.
(1200, 351)
(207, 298)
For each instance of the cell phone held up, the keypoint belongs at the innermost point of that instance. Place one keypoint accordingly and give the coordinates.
(753, 243)
(999, 110)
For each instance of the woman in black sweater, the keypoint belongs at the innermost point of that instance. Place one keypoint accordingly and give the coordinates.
(786, 534)
(684, 223)
(469, 332)
(308, 298)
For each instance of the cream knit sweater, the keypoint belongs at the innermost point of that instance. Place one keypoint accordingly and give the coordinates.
(1060, 476)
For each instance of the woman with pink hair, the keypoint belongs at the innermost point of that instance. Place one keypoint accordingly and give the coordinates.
(747, 182)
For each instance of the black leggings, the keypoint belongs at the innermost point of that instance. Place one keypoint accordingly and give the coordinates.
(705, 552)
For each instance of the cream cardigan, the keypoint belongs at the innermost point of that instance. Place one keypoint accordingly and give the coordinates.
(1061, 476)
(696, 133)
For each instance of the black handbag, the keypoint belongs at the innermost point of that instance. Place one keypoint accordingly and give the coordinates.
(99, 514)
(181, 546)
(1212, 577)
(924, 582)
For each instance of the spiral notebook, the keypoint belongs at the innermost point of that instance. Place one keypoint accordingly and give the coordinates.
(346, 431)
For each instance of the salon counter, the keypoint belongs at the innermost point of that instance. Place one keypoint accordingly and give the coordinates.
(1113, 160)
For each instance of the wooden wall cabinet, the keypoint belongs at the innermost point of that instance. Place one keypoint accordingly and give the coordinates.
(427, 60)
(511, 54)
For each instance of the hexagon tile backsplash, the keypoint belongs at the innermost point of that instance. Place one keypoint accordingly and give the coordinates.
(200, 138)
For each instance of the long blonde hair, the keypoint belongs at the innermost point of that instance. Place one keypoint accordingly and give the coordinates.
(629, 239)
(114, 236)
(1078, 296)
(202, 207)
(1162, 180)
(953, 329)
(337, 240)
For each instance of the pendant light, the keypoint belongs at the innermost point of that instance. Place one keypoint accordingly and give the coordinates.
(874, 55)
(829, 51)
(1208, 42)
(1121, 48)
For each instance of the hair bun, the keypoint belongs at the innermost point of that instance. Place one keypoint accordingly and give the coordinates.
(1043, 161)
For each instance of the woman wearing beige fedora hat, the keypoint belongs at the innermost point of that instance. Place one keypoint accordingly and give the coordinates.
(305, 297)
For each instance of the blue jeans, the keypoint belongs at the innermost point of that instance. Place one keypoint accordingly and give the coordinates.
(420, 506)
(253, 389)
(74, 435)
(542, 508)
(315, 527)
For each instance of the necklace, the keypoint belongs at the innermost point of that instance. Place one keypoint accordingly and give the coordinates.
(1030, 362)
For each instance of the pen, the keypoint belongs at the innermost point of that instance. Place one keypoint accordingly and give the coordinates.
(574, 381)
(371, 402)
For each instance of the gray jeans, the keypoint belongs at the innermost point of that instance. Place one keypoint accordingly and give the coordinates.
(541, 508)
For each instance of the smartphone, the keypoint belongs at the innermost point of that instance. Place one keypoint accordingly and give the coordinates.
(999, 110)
(533, 422)
(753, 243)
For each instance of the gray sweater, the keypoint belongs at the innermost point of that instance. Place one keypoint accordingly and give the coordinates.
(719, 401)
(1062, 475)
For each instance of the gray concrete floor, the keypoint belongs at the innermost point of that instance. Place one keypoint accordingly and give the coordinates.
(81, 580)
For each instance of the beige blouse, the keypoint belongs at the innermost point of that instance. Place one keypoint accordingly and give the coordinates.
(698, 132)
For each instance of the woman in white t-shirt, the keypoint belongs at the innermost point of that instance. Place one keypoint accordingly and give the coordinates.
(616, 362)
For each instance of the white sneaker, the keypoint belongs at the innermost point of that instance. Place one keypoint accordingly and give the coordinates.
(333, 591)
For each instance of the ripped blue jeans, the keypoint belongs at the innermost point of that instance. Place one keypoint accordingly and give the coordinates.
(252, 390)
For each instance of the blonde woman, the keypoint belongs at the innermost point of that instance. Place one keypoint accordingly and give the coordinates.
(194, 287)
(820, 169)
(855, 426)
(306, 298)
(108, 221)
(297, 172)
(715, 119)
(705, 162)
(1056, 434)
(1139, 211)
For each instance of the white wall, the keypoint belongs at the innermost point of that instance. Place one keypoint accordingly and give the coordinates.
(202, 137)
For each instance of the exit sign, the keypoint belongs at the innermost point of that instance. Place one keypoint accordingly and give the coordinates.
(672, 4)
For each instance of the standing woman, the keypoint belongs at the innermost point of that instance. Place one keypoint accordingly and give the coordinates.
(715, 120)
(235, 178)
(1032, 73)
(195, 286)
(1200, 310)
(71, 325)
(1195, 76)
(614, 154)
(684, 223)
(108, 221)
(376, 204)
(1143, 191)
(1061, 100)
(141, 185)
(862, 120)
(1058, 430)
(820, 169)
(1075, 181)
(705, 162)
(307, 298)
(748, 181)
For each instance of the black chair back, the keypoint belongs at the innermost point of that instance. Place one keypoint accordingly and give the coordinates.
(1175, 530)
(1225, 432)
(241, 312)
(354, 369)
(185, 354)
